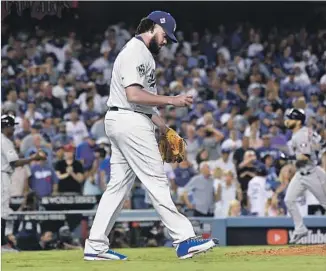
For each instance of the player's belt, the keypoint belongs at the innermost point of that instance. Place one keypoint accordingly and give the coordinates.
(114, 108)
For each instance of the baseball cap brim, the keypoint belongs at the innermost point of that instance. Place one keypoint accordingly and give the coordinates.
(171, 36)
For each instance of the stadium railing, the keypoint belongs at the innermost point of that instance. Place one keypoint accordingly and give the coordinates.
(230, 231)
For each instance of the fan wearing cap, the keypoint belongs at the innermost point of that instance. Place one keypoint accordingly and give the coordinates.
(257, 193)
(130, 125)
(10, 160)
(70, 172)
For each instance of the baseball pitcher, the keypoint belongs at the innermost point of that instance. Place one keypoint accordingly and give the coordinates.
(130, 125)
(305, 144)
(10, 160)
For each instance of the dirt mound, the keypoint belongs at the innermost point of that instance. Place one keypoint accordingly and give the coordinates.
(313, 250)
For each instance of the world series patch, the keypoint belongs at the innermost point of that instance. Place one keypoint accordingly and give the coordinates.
(141, 70)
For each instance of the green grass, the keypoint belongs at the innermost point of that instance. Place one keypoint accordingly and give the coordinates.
(159, 259)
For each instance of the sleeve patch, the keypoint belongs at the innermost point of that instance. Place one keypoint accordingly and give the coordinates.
(141, 70)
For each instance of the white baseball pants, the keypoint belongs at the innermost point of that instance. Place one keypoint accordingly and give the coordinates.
(135, 153)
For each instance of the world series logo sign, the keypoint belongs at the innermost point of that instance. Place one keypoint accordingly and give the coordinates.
(38, 9)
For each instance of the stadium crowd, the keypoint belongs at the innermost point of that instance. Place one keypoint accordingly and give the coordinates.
(243, 80)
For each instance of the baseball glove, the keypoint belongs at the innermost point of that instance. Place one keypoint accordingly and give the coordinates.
(172, 147)
(39, 156)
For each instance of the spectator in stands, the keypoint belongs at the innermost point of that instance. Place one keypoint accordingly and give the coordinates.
(24, 131)
(59, 90)
(31, 112)
(239, 153)
(232, 143)
(235, 209)
(257, 193)
(48, 129)
(224, 163)
(104, 167)
(70, 103)
(28, 141)
(272, 208)
(43, 180)
(98, 129)
(202, 156)
(211, 141)
(95, 177)
(97, 99)
(272, 176)
(58, 152)
(192, 143)
(55, 104)
(37, 145)
(90, 116)
(253, 133)
(246, 170)
(70, 172)
(285, 176)
(11, 101)
(183, 173)
(199, 193)
(228, 189)
(278, 139)
(62, 137)
(85, 152)
(76, 128)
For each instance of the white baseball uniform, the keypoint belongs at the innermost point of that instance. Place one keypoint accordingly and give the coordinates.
(8, 154)
(134, 150)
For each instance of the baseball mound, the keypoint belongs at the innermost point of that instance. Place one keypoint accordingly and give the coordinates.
(312, 250)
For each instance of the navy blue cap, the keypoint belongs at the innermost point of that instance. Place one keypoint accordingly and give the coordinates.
(261, 169)
(166, 21)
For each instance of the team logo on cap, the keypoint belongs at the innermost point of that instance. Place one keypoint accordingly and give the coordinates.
(162, 20)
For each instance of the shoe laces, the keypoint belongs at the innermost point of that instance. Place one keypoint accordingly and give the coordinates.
(198, 239)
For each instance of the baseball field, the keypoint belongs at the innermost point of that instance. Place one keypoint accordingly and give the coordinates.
(157, 259)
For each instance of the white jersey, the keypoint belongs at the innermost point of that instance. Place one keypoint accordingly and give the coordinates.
(134, 65)
(258, 195)
(228, 193)
(8, 154)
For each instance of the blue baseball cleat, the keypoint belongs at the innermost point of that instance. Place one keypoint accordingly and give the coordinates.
(108, 255)
(188, 248)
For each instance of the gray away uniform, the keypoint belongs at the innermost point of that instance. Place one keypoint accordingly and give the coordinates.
(8, 154)
(309, 176)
